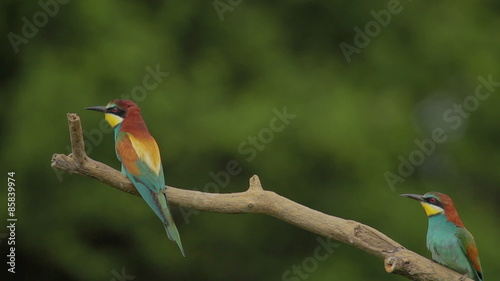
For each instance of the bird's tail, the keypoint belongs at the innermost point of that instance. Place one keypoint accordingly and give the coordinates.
(172, 232)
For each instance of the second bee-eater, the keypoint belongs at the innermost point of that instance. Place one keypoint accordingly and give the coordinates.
(140, 157)
(450, 243)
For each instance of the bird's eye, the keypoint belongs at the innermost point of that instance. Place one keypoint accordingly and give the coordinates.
(432, 200)
(114, 109)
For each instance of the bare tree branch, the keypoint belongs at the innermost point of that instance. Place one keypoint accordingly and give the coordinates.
(397, 259)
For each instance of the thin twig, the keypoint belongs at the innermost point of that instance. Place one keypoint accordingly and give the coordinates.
(76, 136)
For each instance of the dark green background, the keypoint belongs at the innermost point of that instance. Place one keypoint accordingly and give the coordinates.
(227, 72)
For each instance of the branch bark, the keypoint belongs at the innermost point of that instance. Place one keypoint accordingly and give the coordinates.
(396, 258)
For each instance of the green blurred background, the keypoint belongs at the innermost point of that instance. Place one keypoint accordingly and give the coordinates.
(230, 66)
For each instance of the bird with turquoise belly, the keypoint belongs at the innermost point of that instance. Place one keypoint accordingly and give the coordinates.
(450, 243)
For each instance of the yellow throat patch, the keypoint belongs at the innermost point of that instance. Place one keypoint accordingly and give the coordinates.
(431, 210)
(112, 119)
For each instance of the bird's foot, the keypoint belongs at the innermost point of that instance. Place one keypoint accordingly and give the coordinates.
(464, 277)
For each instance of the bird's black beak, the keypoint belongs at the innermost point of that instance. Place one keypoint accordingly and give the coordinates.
(414, 196)
(99, 108)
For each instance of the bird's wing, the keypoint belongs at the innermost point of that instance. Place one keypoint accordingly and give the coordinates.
(141, 163)
(469, 248)
(148, 152)
(147, 182)
(141, 160)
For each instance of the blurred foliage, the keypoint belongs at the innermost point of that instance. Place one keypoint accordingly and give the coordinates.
(226, 74)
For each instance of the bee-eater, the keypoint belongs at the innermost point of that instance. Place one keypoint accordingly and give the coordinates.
(450, 243)
(140, 157)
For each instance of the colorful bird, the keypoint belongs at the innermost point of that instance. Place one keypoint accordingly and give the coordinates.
(450, 243)
(140, 157)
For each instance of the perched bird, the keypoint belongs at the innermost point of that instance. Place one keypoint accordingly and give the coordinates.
(450, 243)
(140, 157)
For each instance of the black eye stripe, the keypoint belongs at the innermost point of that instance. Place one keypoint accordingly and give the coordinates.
(434, 201)
(116, 111)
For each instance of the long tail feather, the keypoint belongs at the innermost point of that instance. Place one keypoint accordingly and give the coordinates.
(173, 235)
(172, 232)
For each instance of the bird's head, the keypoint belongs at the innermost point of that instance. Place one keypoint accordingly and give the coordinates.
(435, 203)
(116, 111)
